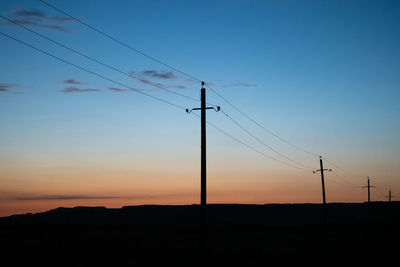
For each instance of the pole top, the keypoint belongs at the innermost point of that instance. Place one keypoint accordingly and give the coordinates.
(202, 83)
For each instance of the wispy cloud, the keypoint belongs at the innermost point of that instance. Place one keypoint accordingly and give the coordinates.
(147, 76)
(62, 197)
(5, 87)
(37, 14)
(61, 19)
(68, 90)
(30, 13)
(34, 23)
(179, 86)
(159, 85)
(72, 81)
(158, 196)
(240, 84)
(40, 19)
(114, 89)
(166, 75)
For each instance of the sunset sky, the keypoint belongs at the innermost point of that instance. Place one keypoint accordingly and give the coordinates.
(322, 75)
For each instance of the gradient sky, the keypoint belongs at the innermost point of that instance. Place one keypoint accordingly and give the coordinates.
(323, 75)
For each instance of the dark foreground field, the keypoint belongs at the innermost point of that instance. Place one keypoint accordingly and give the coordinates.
(238, 235)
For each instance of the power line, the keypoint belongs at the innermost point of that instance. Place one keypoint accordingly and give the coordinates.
(129, 47)
(353, 174)
(344, 170)
(92, 72)
(177, 70)
(95, 60)
(115, 69)
(118, 41)
(261, 126)
(252, 148)
(380, 185)
(263, 143)
(330, 179)
(277, 136)
(193, 78)
(343, 179)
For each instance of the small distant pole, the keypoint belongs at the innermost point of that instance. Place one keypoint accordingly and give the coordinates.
(369, 190)
(369, 197)
(390, 204)
(390, 196)
(323, 188)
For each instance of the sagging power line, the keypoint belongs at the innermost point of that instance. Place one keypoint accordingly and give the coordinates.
(259, 125)
(264, 144)
(130, 75)
(252, 148)
(170, 67)
(118, 41)
(92, 72)
(130, 47)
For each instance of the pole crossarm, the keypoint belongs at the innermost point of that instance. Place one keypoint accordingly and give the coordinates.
(328, 170)
(321, 169)
(218, 108)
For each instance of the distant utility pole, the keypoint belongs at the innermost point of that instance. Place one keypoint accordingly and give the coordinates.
(369, 191)
(323, 187)
(203, 194)
(390, 196)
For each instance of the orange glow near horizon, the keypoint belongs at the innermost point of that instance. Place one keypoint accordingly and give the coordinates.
(38, 190)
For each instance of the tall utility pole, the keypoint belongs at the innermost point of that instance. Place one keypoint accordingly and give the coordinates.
(390, 196)
(203, 194)
(369, 191)
(323, 187)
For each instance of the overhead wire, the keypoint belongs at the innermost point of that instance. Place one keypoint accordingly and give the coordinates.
(156, 98)
(344, 179)
(195, 79)
(175, 69)
(92, 72)
(380, 185)
(252, 148)
(160, 62)
(118, 41)
(381, 192)
(263, 143)
(280, 138)
(130, 75)
(330, 179)
(344, 170)
(260, 125)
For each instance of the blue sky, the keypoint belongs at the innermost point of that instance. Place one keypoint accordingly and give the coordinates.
(322, 74)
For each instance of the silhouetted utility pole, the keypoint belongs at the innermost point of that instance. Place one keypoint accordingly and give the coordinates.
(369, 191)
(203, 194)
(323, 187)
(390, 196)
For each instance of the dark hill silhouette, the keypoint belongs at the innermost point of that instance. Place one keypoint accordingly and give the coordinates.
(238, 235)
(269, 214)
